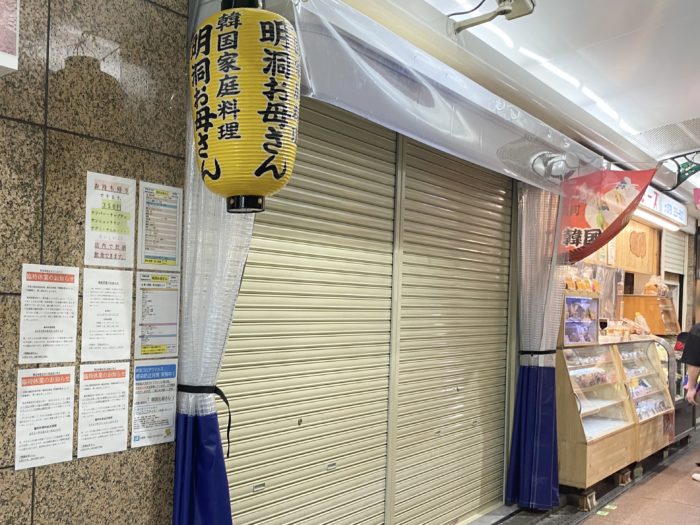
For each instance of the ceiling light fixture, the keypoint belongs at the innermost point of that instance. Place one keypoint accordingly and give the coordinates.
(500, 34)
(549, 66)
(511, 9)
(602, 105)
(654, 219)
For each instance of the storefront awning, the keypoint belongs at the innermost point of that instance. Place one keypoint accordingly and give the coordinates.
(355, 63)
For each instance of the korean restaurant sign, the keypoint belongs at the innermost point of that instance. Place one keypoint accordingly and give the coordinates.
(245, 85)
(665, 206)
(597, 207)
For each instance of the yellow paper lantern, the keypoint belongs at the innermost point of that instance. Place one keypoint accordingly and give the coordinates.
(245, 86)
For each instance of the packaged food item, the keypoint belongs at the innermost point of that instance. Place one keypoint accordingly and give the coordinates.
(641, 324)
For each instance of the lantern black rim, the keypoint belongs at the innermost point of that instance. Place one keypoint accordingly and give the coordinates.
(245, 204)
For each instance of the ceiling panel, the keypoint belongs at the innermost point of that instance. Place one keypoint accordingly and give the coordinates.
(632, 64)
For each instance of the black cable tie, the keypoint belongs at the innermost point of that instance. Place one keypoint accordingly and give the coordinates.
(189, 389)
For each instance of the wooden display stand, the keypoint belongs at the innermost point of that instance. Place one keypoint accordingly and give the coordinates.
(583, 462)
(630, 382)
(659, 312)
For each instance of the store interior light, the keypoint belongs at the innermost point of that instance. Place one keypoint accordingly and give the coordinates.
(655, 219)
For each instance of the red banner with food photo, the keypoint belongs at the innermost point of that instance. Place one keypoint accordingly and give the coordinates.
(597, 207)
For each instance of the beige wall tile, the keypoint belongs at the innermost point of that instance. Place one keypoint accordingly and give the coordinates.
(22, 92)
(179, 6)
(118, 71)
(15, 497)
(21, 147)
(9, 335)
(133, 487)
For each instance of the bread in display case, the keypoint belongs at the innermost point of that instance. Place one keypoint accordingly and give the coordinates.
(659, 312)
(595, 421)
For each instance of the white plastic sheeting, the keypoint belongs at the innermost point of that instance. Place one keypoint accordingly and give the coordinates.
(215, 250)
(355, 63)
(541, 273)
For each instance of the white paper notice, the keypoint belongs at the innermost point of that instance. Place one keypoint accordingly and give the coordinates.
(157, 314)
(44, 426)
(103, 413)
(155, 394)
(49, 322)
(160, 227)
(106, 315)
(110, 206)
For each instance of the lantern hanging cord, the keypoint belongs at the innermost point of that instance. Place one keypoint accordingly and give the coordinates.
(236, 4)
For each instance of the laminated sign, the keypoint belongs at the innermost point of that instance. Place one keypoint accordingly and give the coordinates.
(597, 207)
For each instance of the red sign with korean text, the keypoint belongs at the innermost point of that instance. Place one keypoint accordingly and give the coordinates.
(597, 207)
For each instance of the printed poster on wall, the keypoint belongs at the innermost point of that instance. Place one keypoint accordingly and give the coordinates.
(160, 227)
(157, 315)
(103, 411)
(49, 321)
(44, 424)
(107, 303)
(155, 395)
(110, 206)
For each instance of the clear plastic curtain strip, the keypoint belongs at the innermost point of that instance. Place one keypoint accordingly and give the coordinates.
(215, 250)
(533, 480)
(353, 62)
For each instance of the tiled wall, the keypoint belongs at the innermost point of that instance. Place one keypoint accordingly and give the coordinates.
(101, 87)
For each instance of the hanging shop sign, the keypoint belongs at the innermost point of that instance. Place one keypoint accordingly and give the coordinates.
(597, 207)
(245, 86)
(9, 36)
(665, 206)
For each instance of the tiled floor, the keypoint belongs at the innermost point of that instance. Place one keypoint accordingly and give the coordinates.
(669, 497)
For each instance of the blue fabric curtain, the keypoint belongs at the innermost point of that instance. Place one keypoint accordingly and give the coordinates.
(201, 488)
(533, 477)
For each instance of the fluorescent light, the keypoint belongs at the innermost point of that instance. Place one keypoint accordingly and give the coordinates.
(549, 66)
(500, 34)
(655, 219)
(531, 54)
(562, 74)
(604, 107)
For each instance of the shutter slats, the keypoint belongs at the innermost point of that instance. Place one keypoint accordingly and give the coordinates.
(454, 324)
(674, 252)
(307, 363)
(306, 367)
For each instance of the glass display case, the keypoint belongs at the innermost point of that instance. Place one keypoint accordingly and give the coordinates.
(596, 425)
(599, 392)
(646, 379)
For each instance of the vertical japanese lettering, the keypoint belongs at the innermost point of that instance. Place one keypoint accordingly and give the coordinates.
(229, 87)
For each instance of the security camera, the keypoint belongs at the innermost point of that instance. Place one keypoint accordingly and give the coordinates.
(511, 9)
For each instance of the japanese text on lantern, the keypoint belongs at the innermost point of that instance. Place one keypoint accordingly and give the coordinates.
(201, 75)
(229, 85)
(277, 67)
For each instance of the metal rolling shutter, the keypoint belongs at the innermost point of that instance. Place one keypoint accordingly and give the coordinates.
(306, 368)
(673, 252)
(453, 339)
